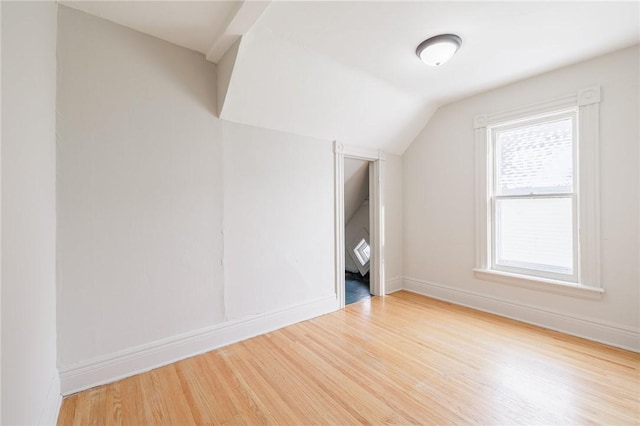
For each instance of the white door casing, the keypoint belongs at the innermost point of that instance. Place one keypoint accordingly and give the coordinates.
(376, 216)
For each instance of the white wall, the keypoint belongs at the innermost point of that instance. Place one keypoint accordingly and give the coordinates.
(139, 189)
(356, 186)
(393, 219)
(439, 204)
(30, 383)
(177, 231)
(0, 216)
(278, 219)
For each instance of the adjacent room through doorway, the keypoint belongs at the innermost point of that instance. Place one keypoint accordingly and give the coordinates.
(357, 226)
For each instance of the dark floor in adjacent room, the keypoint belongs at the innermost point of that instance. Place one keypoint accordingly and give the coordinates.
(356, 288)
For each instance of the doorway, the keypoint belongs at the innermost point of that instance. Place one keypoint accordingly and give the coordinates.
(373, 247)
(357, 249)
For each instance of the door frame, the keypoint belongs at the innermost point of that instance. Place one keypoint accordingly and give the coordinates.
(376, 216)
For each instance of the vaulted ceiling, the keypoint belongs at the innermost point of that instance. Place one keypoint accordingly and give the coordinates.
(348, 71)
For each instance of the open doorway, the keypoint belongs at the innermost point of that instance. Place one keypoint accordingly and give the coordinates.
(374, 247)
(357, 249)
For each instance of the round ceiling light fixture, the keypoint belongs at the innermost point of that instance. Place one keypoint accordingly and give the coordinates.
(437, 50)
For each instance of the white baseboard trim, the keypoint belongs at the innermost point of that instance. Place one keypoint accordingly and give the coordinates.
(604, 332)
(392, 285)
(156, 354)
(49, 414)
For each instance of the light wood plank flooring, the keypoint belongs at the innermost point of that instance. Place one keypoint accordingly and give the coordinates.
(400, 359)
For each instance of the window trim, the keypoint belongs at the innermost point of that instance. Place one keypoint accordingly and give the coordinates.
(587, 104)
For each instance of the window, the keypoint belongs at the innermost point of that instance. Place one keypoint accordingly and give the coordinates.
(362, 252)
(537, 221)
(533, 197)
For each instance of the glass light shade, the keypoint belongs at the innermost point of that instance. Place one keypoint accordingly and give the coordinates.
(439, 49)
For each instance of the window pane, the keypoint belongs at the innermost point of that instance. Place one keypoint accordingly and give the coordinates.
(535, 159)
(535, 234)
(363, 252)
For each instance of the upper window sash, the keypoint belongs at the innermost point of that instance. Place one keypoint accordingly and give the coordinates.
(559, 117)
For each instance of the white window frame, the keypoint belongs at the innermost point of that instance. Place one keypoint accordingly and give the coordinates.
(492, 132)
(361, 252)
(587, 269)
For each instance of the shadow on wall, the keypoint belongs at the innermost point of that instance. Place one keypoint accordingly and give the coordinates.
(190, 78)
(158, 62)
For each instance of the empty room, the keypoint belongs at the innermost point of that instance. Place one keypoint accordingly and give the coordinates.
(318, 212)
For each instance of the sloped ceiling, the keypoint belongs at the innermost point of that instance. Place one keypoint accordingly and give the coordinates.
(208, 27)
(348, 71)
(356, 186)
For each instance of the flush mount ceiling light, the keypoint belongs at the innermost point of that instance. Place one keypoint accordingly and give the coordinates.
(439, 49)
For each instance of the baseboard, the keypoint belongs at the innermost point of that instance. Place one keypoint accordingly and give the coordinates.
(49, 414)
(392, 285)
(146, 357)
(608, 333)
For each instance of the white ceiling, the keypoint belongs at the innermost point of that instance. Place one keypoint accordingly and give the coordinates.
(190, 24)
(502, 41)
(208, 27)
(356, 186)
(348, 71)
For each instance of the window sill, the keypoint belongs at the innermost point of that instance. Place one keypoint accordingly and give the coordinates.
(542, 284)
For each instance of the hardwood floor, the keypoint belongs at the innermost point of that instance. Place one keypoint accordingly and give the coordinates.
(399, 359)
